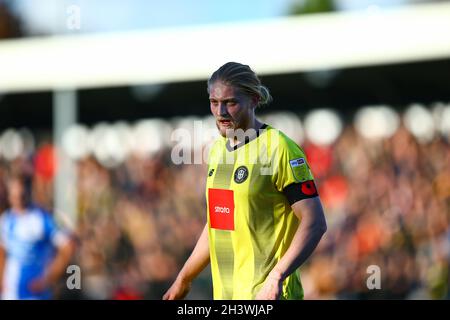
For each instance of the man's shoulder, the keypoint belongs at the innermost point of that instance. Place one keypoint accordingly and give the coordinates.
(218, 144)
(282, 140)
(6, 215)
(39, 212)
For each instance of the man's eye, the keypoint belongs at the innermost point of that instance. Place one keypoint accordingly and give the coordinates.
(231, 103)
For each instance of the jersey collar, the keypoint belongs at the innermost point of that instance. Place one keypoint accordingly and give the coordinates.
(247, 139)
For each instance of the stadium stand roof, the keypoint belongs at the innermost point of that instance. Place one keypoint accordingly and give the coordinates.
(285, 45)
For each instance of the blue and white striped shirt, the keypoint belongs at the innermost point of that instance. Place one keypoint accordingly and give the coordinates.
(30, 240)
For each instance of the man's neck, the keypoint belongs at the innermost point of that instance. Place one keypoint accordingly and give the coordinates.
(255, 126)
(18, 209)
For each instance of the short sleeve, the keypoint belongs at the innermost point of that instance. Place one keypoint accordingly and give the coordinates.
(293, 176)
(52, 232)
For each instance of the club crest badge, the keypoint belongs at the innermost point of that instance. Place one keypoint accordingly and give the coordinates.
(241, 174)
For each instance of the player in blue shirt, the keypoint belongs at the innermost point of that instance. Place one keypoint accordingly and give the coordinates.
(33, 251)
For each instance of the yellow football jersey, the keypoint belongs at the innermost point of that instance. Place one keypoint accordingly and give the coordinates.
(249, 192)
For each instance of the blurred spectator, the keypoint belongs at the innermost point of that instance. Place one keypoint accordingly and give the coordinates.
(34, 253)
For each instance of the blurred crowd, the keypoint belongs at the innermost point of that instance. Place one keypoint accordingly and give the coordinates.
(387, 204)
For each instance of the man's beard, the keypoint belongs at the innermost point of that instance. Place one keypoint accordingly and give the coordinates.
(227, 131)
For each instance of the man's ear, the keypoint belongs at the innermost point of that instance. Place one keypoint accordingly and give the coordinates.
(255, 101)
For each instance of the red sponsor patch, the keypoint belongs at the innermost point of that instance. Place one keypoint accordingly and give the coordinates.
(308, 188)
(221, 209)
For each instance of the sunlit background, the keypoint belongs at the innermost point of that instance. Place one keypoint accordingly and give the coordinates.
(94, 95)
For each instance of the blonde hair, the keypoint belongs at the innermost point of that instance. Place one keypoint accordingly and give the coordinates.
(242, 77)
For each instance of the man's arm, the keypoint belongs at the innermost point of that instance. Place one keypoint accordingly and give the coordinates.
(198, 260)
(306, 238)
(2, 266)
(56, 268)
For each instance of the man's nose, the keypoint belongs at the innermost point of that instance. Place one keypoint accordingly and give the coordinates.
(223, 109)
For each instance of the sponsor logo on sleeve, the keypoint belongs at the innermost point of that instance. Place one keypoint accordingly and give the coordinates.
(297, 162)
(299, 169)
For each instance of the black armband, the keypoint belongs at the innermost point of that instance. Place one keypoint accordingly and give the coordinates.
(299, 191)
